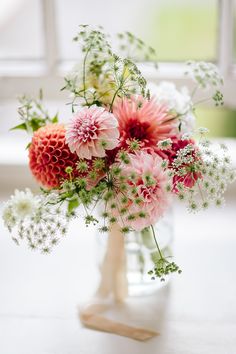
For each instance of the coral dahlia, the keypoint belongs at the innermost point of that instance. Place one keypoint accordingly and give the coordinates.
(143, 120)
(92, 131)
(49, 155)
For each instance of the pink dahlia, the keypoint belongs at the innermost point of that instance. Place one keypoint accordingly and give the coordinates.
(150, 186)
(91, 132)
(144, 120)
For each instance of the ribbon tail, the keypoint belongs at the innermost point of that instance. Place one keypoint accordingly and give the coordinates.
(91, 318)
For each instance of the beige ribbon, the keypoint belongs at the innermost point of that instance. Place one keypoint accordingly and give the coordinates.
(114, 284)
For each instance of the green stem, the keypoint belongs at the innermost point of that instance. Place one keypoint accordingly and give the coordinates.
(113, 99)
(158, 248)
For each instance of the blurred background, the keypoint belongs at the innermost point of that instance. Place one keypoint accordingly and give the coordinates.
(39, 295)
(36, 51)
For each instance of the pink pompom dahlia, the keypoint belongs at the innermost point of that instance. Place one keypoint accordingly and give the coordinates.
(143, 120)
(92, 131)
(49, 155)
(147, 194)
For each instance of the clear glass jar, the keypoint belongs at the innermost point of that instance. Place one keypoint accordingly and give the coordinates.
(140, 255)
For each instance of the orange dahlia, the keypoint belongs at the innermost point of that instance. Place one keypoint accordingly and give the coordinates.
(49, 155)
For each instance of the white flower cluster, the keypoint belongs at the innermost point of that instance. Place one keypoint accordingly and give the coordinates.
(205, 74)
(167, 93)
(178, 101)
(35, 219)
(214, 174)
(185, 156)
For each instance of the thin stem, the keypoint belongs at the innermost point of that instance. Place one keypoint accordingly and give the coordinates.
(84, 75)
(203, 100)
(122, 82)
(158, 248)
(194, 91)
(113, 99)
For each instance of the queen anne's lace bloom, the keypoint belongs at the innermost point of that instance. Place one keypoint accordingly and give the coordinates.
(91, 132)
(39, 220)
(22, 204)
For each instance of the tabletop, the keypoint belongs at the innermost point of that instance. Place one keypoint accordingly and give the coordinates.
(195, 313)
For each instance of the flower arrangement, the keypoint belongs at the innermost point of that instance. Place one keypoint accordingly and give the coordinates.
(128, 146)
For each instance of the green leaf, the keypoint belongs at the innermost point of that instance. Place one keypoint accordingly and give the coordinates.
(35, 124)
(20, 126)
(73, 204)
(27, 146)
(55, 118)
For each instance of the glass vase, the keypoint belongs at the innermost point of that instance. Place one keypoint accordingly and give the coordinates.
(141, 254)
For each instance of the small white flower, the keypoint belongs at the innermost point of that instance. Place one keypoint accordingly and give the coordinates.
(8, 216)
(176, 100)
(23, 203)
(167, 93)
(205, 74)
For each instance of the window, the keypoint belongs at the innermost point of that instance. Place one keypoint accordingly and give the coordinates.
(21, 37)
(36, 45)
(189, 28)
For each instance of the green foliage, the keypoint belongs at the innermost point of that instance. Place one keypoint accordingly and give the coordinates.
(21, 126)
(33, 114)
(104, 74)
(135, 48)
(162, 266)
(73, 203)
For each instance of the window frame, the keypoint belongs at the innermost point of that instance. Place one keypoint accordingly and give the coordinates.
(48, 73)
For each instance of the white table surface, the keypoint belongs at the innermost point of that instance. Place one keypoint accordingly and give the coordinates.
(196, 314)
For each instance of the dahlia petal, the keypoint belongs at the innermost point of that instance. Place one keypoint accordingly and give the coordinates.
(112, 144)
(98, 150)
(108, 134)
(83, 152)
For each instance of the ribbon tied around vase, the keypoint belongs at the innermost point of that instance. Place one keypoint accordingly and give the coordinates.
(113, 283)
